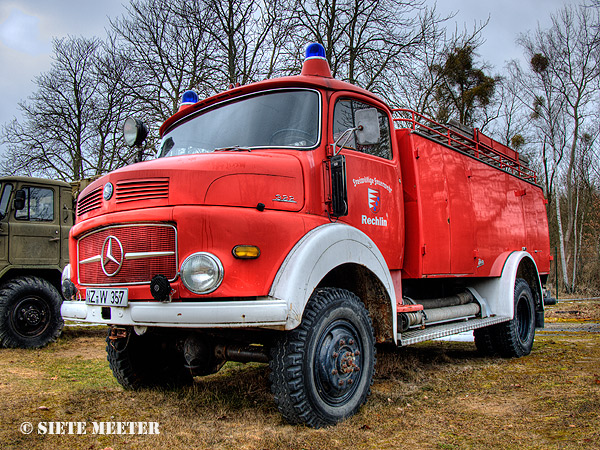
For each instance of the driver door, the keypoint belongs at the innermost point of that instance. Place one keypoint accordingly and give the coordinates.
(5, 196)
(374, 194)
(35, 229)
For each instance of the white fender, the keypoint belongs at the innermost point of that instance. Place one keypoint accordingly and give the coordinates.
(499, 292)
(315, 255)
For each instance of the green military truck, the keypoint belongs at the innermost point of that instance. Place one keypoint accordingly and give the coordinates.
(35, 217)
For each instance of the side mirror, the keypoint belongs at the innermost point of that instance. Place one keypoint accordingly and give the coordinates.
(19, 201)
(367, 126)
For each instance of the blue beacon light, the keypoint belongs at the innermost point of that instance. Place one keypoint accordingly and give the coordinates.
(315, 51)
(315, 63)
(189, 98)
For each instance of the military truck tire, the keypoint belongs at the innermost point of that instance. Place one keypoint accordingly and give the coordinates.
(29, 313)
(146, 361)
(514, 338)
(322, 371)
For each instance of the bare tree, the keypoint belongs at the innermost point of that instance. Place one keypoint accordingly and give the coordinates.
(416, 81)
(247, 38)
(560, 91)
(166, 53)
(70, 122)
(365, 41)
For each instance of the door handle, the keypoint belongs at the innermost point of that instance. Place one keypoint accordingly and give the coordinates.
(54, 239)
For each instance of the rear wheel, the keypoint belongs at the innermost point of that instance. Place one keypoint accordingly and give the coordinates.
(322, 371)
(29, 313)
(515, 338)
(146, 361)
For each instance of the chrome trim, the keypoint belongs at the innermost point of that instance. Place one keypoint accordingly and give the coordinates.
(143, 255)
(131, 255)
(126, 225)
(91, 259)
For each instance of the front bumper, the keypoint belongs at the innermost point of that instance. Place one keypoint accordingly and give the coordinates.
(265, 312)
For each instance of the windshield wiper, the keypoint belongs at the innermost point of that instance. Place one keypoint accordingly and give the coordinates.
(235, 148)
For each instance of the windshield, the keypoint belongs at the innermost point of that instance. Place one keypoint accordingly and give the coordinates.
(275, 119)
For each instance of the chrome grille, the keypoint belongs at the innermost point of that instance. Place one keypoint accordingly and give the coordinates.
(134, 190)
(130, 254)
(91, 201)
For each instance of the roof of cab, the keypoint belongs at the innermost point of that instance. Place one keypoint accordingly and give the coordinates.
(34, 180)
(300, 81)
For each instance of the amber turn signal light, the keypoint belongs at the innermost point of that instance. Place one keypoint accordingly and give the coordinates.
(246, 251)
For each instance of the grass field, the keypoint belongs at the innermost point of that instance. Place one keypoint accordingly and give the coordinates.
(436, 395)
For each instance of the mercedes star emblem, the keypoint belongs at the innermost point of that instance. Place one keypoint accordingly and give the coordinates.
(112, 256)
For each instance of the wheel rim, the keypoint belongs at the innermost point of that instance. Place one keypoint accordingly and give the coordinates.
(524, 319)
(339, 362)
(30, 316)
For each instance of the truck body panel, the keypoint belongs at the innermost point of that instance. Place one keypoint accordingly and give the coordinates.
(466, 214)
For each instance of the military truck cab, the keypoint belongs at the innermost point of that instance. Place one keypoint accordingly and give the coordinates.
(35, 218)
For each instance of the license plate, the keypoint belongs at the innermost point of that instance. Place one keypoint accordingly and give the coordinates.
(106, 297)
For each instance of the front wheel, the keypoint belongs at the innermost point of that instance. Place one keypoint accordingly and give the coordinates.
(323, 370)
(146, 361)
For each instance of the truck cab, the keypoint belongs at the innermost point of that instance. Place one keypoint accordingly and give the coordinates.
(35, 218)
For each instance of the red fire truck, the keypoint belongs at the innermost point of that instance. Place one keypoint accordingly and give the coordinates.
(299, 221)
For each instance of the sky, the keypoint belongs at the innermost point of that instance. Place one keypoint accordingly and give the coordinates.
(27, 28)
(507, 19)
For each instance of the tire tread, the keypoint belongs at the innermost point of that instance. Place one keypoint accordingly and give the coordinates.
(287, 358)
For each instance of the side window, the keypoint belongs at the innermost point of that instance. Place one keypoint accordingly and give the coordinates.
(6, 191)
(39, 205)
(343, 118)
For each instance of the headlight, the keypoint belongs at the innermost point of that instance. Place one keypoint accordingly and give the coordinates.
(202, 273)
(66, 274)
(68, 288)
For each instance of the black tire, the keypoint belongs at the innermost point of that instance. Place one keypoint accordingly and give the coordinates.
(484, 341)
(322, 371)
(514, 338)
(29, 313)
(146, 361)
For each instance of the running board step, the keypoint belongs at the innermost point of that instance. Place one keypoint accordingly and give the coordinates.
(447, 329)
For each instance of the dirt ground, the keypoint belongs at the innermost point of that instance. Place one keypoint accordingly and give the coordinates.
(435, 395)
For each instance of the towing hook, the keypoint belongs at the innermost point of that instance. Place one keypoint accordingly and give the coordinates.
(117, 333)
(118, 337)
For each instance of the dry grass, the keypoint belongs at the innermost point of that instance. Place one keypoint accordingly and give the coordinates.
(574, 311)
(436, 395)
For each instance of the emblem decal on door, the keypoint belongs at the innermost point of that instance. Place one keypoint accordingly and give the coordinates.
(374, 200)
